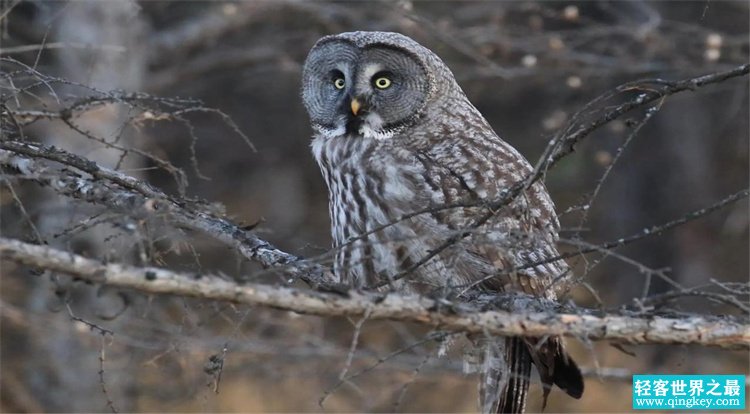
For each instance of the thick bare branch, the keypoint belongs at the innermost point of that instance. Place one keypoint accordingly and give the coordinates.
(443, 315)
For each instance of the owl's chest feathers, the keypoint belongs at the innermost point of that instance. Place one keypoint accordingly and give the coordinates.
(367, 184)
(369, 188)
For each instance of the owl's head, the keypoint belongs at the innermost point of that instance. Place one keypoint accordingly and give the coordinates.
(367, 83)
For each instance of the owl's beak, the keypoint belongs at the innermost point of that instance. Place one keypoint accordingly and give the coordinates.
(356, 106)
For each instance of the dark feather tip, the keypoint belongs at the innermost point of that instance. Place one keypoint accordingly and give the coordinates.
(568, 377)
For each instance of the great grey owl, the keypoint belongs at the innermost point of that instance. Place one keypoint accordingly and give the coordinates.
(395, 134)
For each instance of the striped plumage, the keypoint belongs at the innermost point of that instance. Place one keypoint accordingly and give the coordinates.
(380, 164)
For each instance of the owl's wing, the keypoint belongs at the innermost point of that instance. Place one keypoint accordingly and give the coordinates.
(517, 246)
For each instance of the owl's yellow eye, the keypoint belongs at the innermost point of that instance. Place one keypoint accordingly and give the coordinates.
(382, 82)
(339, 83)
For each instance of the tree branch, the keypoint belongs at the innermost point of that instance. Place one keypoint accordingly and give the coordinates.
(444, 315)
(133, 197)
(652, 90)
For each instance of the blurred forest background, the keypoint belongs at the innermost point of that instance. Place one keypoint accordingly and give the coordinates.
(528, 66)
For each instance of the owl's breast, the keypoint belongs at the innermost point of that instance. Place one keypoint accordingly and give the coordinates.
(370, 186)
(369, 183)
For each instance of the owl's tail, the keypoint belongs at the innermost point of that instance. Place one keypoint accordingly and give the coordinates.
(513, 398)
(507, 370)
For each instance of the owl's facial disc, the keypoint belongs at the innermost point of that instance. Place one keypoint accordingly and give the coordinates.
(367, 92)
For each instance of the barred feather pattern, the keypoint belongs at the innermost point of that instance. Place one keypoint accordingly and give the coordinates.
(446, 154)
(372, 183)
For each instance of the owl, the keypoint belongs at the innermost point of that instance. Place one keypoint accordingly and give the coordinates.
(394, 134)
